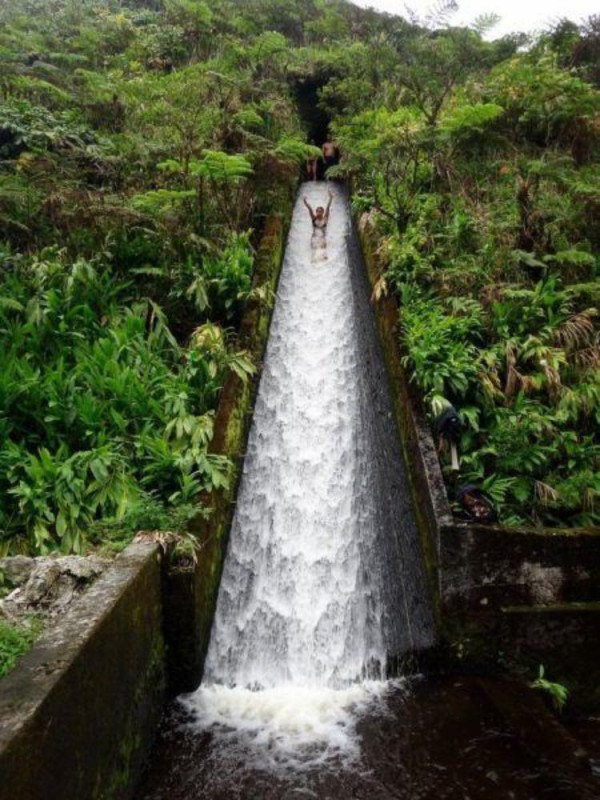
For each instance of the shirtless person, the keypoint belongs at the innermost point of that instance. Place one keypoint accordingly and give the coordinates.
(329, 153)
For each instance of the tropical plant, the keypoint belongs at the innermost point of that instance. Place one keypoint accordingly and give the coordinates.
(558, 693)
(15, 641)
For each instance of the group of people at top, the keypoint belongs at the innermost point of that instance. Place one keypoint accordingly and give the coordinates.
(316, 166)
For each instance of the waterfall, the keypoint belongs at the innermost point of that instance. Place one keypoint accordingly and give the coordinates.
(323, 582)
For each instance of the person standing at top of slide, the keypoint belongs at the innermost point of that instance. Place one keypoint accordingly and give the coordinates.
(329, 152)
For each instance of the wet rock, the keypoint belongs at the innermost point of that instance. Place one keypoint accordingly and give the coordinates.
(83, 569)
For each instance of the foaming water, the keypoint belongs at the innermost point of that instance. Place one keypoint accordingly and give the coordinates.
(322, 583)
(288, 727)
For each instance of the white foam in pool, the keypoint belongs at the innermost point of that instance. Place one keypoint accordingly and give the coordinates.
(287, 726)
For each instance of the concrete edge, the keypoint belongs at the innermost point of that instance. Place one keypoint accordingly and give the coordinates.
(60, 645)
(79, 711)
(430, 502)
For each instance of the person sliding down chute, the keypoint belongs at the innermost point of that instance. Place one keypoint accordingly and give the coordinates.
(320, 216)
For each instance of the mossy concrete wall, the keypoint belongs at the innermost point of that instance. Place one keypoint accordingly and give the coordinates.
(79, 713)
(516, 640)
(515, 598)
(507, 598)
(427, 485)
(492, 566)
(191, 592)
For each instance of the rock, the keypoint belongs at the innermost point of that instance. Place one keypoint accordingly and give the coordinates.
(38, 588)
(83, 569)
(52, 583)
(17, 569)
(6, 615)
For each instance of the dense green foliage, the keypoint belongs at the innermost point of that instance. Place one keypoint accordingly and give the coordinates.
(479, 167)
(142, 144)
(131, 195)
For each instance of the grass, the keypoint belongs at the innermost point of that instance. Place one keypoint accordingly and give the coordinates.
(15, 641)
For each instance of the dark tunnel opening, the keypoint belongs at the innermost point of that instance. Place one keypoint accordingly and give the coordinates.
(315, 119)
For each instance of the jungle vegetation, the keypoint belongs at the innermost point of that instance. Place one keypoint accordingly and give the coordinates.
(142, 145)
(479, 165)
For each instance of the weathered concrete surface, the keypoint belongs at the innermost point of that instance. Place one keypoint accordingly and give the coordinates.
(430, 502)
(491, 566)
(518, 639)
(78, 714)
(516, 598)
(191, 592)
(47, 585)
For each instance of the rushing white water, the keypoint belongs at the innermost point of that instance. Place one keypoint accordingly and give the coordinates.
(314, 596)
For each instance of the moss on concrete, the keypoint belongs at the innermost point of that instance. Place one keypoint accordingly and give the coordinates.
(517, 640)
(149, 693)
(79, 713)
(191, 593)
(426, 483)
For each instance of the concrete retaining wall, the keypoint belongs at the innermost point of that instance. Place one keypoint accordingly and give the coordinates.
(79, 713)
(487, 567)
(516, 640)
(427, 484)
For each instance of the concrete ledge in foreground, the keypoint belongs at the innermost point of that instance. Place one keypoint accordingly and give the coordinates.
(79, 712)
